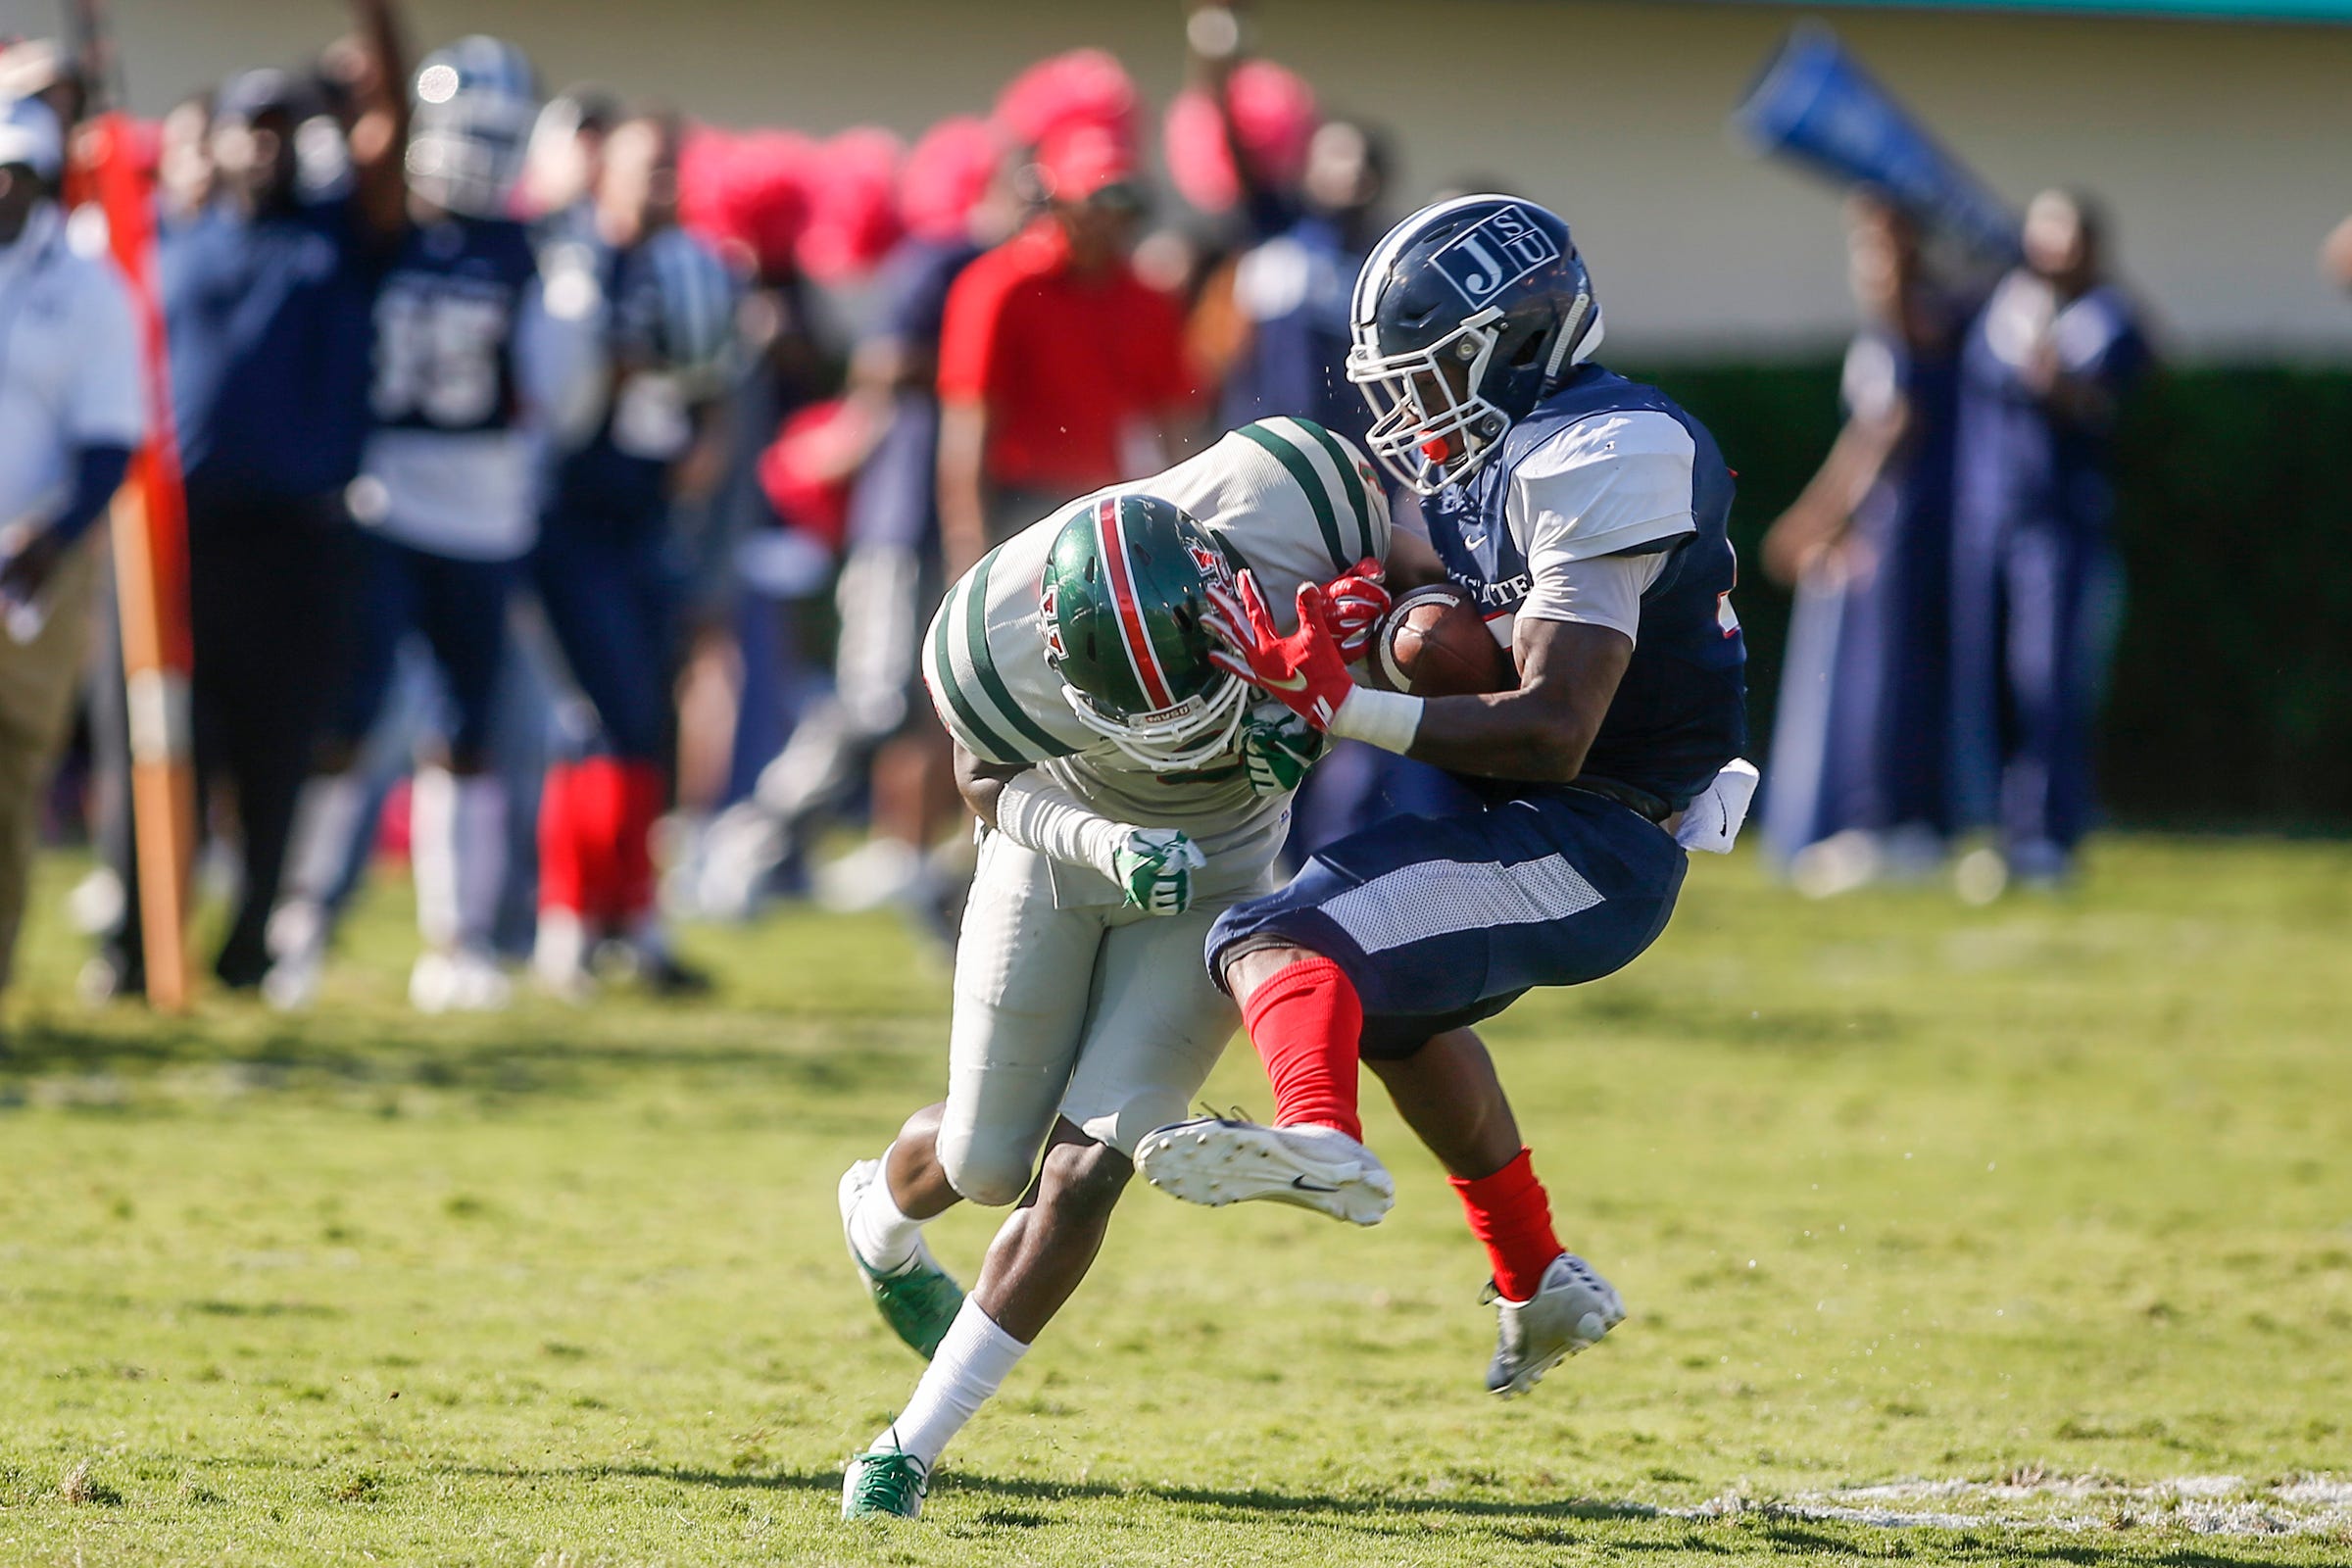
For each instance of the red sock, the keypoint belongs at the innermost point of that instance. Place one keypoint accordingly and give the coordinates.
(1306, 1023)
(597, 794)
(643, 794)
(1509, 1212)
(559, 843)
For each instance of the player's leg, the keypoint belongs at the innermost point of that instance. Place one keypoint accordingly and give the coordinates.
(1550, 1303)
(333, 802)
(609, 605)
(1153, 1032)
(1023, 974)
(457, 813)
(1435, 929)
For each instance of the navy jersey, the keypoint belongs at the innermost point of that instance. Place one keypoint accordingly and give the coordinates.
(669, 322)
(1680, 710)
(2020, 460)
(445, 326)
(270, 324)
(1294, 290)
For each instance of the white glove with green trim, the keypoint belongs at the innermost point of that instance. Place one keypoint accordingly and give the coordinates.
(1278, 747)
(1154, 867)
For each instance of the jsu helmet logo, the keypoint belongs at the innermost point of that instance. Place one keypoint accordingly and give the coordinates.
(1493, 254)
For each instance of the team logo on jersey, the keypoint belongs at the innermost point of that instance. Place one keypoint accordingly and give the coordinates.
(1493, 254)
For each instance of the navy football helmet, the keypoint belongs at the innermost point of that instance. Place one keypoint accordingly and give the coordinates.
(475, 105)
(1467, 315)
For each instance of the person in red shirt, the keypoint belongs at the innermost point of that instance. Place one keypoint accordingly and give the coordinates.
(1059, 370)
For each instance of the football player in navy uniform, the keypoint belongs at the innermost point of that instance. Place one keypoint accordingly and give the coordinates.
(470, 366)
(603, 564)
(1584, 514)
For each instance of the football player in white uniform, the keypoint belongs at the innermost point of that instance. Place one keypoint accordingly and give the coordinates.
(1129, 790)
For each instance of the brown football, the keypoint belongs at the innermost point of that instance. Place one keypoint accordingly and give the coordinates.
(1434, 643)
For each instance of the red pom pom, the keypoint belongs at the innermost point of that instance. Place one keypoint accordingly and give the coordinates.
(748, 195)
(946, 175)
(1274, 117)
(1083, 86)
(852, 211)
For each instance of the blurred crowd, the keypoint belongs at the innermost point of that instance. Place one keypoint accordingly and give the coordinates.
(569, 483)
(1954, 566)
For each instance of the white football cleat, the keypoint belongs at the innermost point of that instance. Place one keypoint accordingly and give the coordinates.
(1215, 1162)
(463, 981)
(296, 938)
(1572, 1309)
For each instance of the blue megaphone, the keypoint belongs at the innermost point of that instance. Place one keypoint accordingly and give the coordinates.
(1815, 103)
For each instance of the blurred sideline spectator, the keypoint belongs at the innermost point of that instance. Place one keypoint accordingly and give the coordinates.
(2036, 585)
(1059, 370)
(1286, 348)
(72, 410)
(475, 362)
(1859, 787)
(268, 299)
(955, 202)
(605, 567)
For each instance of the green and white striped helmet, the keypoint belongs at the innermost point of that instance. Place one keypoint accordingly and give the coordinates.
(1125, 587)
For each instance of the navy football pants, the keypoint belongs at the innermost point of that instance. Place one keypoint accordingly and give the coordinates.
(609, 601)
(459, 608)
(2033, 604)
(1442, 921)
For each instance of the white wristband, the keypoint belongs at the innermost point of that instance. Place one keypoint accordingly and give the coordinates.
(1387, 719)
(1038, 815)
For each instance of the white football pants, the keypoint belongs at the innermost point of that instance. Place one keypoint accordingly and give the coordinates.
(1101, 1015)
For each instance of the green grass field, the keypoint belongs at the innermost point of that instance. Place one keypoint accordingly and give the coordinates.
(2019, 1235)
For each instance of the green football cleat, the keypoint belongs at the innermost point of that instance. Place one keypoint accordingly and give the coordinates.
(884, 1485)
(918, 1299)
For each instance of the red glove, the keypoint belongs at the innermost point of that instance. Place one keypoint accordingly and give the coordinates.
(1304, 671)
(1358, 601)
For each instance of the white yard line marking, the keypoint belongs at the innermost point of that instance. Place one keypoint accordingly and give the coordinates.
(2214, 1505)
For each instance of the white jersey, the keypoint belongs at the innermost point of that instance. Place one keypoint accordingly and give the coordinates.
(1285, 499)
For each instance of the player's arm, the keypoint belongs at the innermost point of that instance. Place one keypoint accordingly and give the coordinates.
(1151, 867)
(1823, 512)
(1602, 510)
(1569, 670)
(962, 513)
(379, 137)
(1568, 675)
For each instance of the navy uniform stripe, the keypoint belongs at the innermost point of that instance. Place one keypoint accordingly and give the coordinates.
(984, 667)
(1302, 473)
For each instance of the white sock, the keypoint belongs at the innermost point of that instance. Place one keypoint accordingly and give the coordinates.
(885, 1238)
(457, 845)
(481, 825)
(972, 1363)
(433, 854)
(326, 820)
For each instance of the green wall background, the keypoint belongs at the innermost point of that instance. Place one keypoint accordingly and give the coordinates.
(2231, 698)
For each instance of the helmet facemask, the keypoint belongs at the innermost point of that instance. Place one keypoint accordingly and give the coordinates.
(1192, 734)
(1424, 431)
